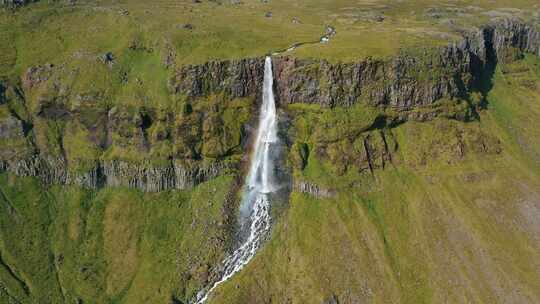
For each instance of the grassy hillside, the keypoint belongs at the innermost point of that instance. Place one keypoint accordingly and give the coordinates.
(69, 245)
(453, 218)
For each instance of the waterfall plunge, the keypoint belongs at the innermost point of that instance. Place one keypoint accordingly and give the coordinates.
(255, 206)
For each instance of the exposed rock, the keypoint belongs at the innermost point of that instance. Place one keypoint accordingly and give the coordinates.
(2, 93)
(200, 142)
(238, 78)
(364, 152)
(403, 82)
(16, 3)
(268, 14)
(332, 300)
(107, 58)
(11, 127)
(169, 55)
(142, 176)
(511, 33)
(187, 26)
(95, 146)
(312, 189)
(329, 31)
(177, 175)
(497, 14)
(376, 82)
(379, 18)
(434, 12)
(36, 75)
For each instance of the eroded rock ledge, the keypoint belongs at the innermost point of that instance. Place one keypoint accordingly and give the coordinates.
(313, 189)
(146, 177)
(96, 145)
(408, 80)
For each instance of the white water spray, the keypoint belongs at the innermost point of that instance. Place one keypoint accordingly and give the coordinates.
(259, 184)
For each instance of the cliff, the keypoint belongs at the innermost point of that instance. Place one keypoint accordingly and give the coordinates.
(74, 138)
(50, 129)
(412, 79)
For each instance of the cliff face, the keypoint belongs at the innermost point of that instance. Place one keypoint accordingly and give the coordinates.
(404, 82)
(512, 33)
(408, 80)
(47, 130)
(238, 78)
(51, 130)
(115, 173)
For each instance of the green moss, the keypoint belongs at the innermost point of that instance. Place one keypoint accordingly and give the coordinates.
(24, 223)
(315, 124)
(81, 152)
(4, 112)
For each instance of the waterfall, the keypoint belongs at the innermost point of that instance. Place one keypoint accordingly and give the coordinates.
(260, 183)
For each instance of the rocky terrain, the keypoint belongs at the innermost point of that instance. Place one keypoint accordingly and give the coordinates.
(200, 144)
(412, 165)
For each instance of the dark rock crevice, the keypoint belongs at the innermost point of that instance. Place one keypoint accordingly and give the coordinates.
(2, 93)
(22, 284)
(368, 155)
(16, 3)
(145, 124)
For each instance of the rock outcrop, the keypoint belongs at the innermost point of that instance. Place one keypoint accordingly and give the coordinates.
(146, 177)
(65, 136)
(16, 3)
(409, 80)
(2, 93)
(238, 78)
(510, 33)
(313, 189)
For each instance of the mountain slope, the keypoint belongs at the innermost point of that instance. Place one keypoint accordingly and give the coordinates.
(412, 151)
(433, 226)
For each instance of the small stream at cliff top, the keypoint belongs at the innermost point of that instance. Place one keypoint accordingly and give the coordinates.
(260, 184)
(330, 32)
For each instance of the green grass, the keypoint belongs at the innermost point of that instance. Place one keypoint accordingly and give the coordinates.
(518, 82)
(109, 246)
(54, 32)
(8, 53)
